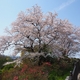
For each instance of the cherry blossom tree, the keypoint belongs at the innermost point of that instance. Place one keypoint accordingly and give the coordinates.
(34, 28)
(66, 41)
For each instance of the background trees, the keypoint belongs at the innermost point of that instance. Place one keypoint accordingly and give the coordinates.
(35, 30)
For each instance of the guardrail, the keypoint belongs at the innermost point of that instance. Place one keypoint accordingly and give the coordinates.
(75, 74)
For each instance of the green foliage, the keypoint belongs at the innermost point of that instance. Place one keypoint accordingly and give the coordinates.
(61, 69)
(51, 77)
(45, 48)
(57, 70)
(4, 59)
(6, 69)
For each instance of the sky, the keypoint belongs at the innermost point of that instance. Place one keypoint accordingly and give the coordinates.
(66, 9)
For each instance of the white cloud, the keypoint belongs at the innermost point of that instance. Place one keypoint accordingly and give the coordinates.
(63, 5)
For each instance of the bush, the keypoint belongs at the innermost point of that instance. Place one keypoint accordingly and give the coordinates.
(50, 69)
(4, 59)
(7, 67)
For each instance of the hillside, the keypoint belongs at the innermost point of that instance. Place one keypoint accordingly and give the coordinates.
(56, 69)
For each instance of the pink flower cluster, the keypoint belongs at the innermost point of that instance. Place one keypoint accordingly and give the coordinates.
(26, 79)
(15, 78)
(33, 70)
(48, 63)
(24, 68)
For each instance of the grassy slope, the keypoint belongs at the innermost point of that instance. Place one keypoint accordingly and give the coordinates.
(31, 71)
